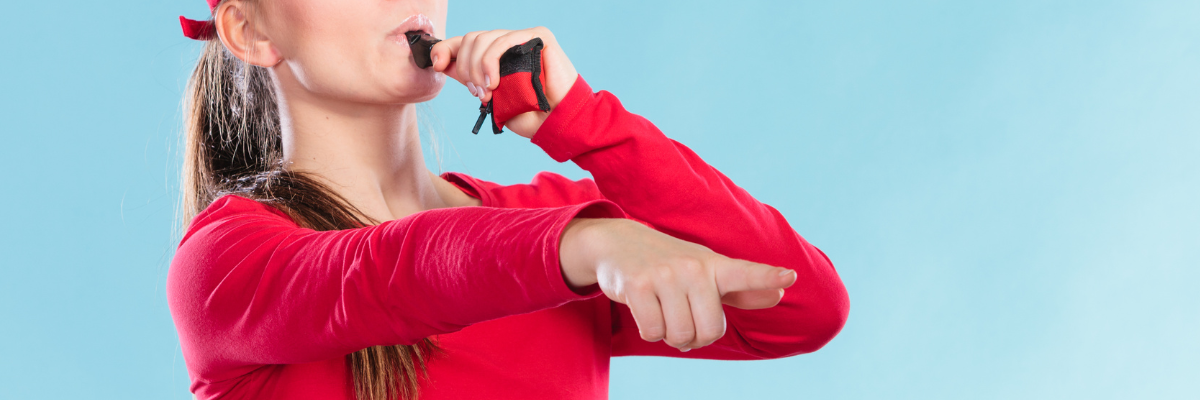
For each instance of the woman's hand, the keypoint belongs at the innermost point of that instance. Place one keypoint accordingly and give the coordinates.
(477, 66)
(674, 288)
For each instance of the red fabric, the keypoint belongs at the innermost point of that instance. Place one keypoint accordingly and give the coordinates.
(515, 95)
(200, 30)
(268, 310)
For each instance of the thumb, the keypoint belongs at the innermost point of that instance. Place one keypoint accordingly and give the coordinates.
(739, 275)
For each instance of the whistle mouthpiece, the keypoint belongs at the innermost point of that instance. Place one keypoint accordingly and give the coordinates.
(421, 44)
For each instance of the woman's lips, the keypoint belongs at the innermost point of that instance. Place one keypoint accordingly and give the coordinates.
(416, 22)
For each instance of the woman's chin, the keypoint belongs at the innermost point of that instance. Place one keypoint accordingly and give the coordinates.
(421, 88)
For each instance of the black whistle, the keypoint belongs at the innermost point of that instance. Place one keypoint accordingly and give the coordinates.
(421, 44)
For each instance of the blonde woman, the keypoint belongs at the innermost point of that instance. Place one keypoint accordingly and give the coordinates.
(323, 260)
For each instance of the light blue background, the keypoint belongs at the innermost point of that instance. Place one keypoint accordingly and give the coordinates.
(1009, 189)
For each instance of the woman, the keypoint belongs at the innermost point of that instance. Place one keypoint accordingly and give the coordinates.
(323, 260)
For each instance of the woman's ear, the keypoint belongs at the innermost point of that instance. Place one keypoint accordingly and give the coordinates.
(242, 37)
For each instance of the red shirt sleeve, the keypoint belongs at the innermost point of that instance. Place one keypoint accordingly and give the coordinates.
(664, 184)
(248, 287)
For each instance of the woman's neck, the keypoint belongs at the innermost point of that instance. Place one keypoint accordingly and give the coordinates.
(369, 154)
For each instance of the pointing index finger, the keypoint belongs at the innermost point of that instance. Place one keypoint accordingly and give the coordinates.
(739, 275)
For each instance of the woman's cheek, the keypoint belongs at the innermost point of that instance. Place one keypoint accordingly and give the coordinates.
(331, 72)
(341, 73)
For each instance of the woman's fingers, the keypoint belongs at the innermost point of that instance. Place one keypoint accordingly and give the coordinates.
(443, 53)
(475, 61)
(489, 63)
(753, 299)
(688, 316)
(739, 275)
(462, 65)
(647, 312)
(676, 290)
(482, 43)
(476, 57)
(690, 301)
(677, 311)
(707, 315)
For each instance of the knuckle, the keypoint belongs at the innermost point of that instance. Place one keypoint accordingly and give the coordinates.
(677, 338)
(642, 286)
(475, 42)
(492, 51)
(708, 335)
(690, 266)
(665, 273)
(652, 333)
(479, 42)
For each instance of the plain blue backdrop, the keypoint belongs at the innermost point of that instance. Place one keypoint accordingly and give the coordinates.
(1009, 189)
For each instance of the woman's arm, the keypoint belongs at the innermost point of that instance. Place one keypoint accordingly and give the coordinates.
(248, 287)
(666, 185)
(663, 183)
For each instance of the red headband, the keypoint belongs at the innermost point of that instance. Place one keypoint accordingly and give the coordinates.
(200, 30)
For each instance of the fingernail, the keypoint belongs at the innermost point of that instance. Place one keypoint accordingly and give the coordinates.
(487, 81)
(685, 350)
(471, 87)
(435, 59)
(785, 272)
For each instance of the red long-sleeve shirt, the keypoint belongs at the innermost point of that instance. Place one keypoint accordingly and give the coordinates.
(268, 310)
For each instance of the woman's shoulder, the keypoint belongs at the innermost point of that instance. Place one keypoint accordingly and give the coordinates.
(219, 238)
(234, 207)
(546, 189)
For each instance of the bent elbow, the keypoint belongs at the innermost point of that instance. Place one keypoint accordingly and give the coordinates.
(828, 320)
(832, 309)
(826, 311)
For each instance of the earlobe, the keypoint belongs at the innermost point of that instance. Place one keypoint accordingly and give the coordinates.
(263, 54)
(274, 58)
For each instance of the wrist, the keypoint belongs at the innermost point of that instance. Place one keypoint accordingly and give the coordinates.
(559, 89)
(575, 254)
(562, 134)
(529, 123)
